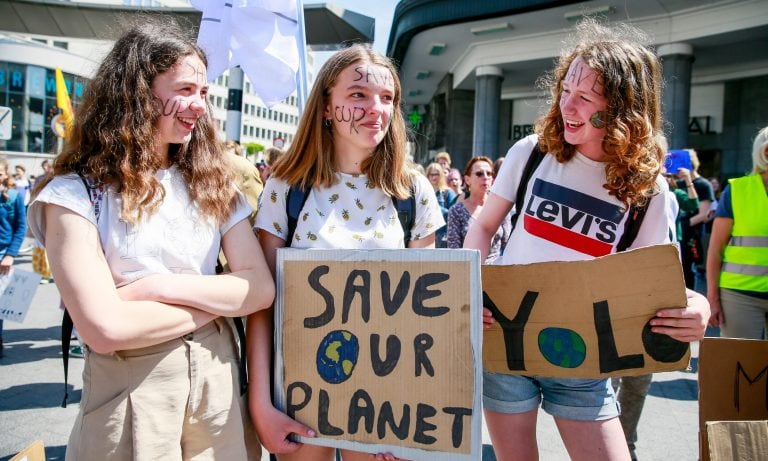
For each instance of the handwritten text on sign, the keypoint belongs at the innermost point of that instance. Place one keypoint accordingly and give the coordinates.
(584, 319)
(379, 352)
(18, 288)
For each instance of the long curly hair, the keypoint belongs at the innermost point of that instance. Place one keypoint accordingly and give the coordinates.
(310, 160)
(114, 138)
(631, 77)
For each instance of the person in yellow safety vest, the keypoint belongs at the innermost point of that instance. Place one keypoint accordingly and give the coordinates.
(737, 261)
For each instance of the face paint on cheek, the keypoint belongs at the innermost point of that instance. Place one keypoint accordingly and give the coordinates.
(598, 119)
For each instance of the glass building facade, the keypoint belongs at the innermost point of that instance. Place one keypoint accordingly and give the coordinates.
(30, 92)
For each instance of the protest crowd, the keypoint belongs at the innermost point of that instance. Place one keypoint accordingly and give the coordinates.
(159, 236)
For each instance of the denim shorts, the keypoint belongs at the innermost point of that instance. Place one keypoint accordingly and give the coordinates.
(569, 398)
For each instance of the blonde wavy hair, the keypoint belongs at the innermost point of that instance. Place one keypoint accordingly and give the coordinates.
(114, 137)
(310, 161)
(631, 78)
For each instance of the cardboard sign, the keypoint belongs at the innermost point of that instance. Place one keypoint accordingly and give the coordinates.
(18, 288)
(733, 383)
(741, 440)
(379, 350)
(584, 319)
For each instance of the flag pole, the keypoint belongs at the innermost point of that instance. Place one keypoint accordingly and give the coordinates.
(302, 87)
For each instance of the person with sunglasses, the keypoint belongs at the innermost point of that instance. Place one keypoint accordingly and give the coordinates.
(478, 175)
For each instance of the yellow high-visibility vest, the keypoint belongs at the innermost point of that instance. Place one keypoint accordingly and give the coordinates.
(745, 261)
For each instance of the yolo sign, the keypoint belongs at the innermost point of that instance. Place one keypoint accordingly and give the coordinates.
(378, 350)
(584, 319)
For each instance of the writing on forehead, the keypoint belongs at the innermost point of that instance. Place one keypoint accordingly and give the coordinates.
(372, 74)
(580, 72)
(195, 72)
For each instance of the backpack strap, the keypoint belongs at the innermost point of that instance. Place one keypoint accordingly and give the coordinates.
(297, 197)
(66, 334)
(242, 366)
(406, 213)
(632, 226)
(94, 195)
(534, 160)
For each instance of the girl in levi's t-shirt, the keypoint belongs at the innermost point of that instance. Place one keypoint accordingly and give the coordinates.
(601, 139)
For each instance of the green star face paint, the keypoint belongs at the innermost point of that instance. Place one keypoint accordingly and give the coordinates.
(597, 119)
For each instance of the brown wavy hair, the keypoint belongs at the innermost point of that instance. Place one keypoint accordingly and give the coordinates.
(310, 161)
(631, 77)
(114, 137)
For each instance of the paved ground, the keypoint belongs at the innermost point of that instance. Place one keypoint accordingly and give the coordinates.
(31, 389)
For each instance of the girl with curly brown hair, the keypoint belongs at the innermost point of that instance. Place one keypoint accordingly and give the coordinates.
(133, 217)
(602, 157)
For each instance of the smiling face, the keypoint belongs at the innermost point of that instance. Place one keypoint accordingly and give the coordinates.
(582, 106)
(180, 93)
(360, 106)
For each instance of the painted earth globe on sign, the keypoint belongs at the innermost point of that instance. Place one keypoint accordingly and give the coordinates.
(562, 347)
(337, 356)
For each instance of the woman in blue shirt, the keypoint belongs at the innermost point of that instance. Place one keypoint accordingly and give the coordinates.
(13, 225)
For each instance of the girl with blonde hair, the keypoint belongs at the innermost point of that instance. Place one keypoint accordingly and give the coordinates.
(350, 154)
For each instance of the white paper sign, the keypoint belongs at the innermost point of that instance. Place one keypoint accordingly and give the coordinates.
(18, 288)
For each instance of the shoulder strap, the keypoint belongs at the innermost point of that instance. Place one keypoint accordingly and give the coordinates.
(94, 195)
(534, 160)
(297, 197)
(632, 226)
(406, 213)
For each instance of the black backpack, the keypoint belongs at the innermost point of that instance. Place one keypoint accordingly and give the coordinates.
(631, 225)
(297, 197)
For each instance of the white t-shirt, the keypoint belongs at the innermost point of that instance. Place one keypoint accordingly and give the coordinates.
(23, 186)
(352, 214)
(174, 239)
(567, 214)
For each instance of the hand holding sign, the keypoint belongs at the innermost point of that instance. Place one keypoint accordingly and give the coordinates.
(276, 434)
(589, 319)
(684, 324)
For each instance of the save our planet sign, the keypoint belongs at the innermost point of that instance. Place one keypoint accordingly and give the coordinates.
(584, 319)
(379, 350)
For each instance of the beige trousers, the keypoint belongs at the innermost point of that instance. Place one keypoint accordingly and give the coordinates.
(178, 400)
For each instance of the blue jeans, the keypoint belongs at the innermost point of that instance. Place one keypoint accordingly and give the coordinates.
(569, 398)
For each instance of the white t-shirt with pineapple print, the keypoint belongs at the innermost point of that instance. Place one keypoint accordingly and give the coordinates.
(352, 213)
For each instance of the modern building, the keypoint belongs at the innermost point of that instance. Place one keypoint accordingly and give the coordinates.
(469, 71)
(28, 87)
(36, 36)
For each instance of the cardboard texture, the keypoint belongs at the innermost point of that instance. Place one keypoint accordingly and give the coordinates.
(584, 319)
(18, 288)
(733, 383)
(33, 452)
(741, 440)
(380, 350)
